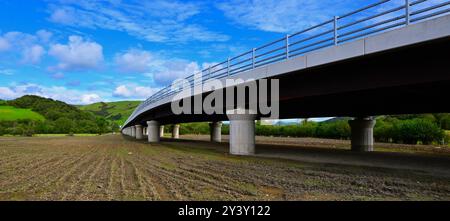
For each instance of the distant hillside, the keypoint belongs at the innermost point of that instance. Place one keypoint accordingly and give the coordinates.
(113, 111)
(49, 108)
(33, 114)
(10, 113)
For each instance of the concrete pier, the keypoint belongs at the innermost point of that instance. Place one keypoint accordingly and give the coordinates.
(215, 129)
(176, 131)
(362, 134)
(139, 132)
(153, 131)
(133, 131)
(161, 131)
(242, 131)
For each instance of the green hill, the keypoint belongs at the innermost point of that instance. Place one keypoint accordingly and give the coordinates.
(31, 114)
(10, 113)
(117, 112)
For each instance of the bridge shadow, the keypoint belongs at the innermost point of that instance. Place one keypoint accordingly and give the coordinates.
(431, 164)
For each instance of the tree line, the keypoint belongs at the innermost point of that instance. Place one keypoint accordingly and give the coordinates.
(407, 129)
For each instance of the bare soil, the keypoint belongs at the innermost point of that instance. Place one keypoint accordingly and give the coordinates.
(113, 167)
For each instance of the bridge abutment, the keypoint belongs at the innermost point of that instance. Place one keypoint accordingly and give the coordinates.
(153, 131)
(139, 132)
(242, 131)
(216, 131)
(176, 131)
(362, 134)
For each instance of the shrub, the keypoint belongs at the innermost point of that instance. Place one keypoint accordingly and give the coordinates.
(337, 130)
(383, 130)
(415, 130)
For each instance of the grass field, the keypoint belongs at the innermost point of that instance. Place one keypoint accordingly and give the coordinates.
(9, 113)
(112, 167)
(115, 111)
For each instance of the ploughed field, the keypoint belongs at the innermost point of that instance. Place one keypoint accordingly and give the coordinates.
(113, 167)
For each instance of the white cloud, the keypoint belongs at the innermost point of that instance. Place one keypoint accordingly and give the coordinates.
(44, 35)
(6, 93)
(282, 15)
(63, 16)
(4, 44)
(33, 54)
(154, 21)
(134, 60)
(7, 71)
(70, 96)
(58, 75)
(171, 70)
(77, 55)
(134, 91)
(90, 98)
(29, 46)
(160, 69)
(122, 91)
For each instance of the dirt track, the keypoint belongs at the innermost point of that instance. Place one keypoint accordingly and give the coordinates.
(114, 168)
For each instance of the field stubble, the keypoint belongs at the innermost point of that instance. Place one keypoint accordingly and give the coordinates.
(112, 167)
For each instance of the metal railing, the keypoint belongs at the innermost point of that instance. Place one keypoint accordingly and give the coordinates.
(371, 19)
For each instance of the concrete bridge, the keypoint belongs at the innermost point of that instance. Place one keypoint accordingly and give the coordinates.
(365, 63)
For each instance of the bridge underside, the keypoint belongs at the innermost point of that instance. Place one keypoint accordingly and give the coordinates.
(413, 79)
(401, 71)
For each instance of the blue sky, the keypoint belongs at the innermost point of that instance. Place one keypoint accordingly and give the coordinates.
(81, 51)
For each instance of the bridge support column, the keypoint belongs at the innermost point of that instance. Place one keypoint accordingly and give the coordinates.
(215, 129)
(242, 131)
(145, 131)
(176, 131)
(133, 131)
(153, 131)
(139, 132)
(161, 131)
(362, 134)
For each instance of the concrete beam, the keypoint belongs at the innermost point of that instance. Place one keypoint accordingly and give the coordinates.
(153, 131)
(362, 134)
(215, 129)
(242, 131)
(139, 132)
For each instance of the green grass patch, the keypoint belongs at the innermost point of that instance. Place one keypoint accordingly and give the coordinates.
(9, 113)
